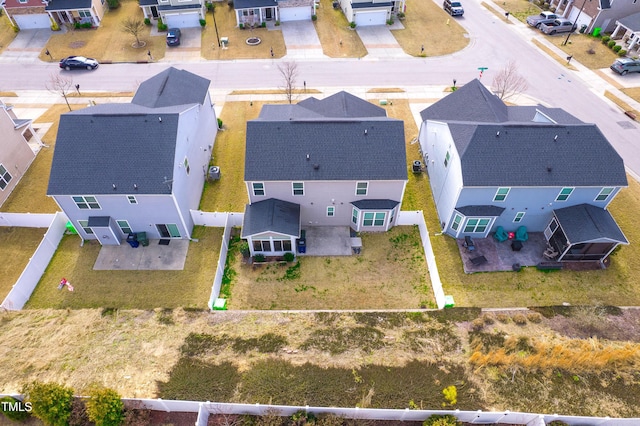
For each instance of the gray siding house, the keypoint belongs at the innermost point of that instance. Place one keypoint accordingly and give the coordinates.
(339, 161)
(138, 167)
(174, 13)
(493, 165)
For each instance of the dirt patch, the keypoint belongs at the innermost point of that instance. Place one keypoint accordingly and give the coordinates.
(77, 44)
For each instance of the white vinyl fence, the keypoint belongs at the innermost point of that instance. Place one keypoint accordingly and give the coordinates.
(417, 218)
(32, 273)
(26, 220)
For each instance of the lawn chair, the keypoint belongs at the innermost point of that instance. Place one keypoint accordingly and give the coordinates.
(501, 235)
(521, 234)
(550, 253)
(468, 244)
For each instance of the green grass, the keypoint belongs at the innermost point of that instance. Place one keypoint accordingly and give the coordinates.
(190, 287)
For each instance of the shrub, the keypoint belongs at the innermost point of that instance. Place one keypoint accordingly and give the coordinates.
(288, 256)
(617, 48)
(86, 25)
(51, 402)
(259, 258)
(477, 324)
(611, 43)
(389, 21)
(352, 24)
(302, 418)
(277, 23)
(503, 318)
(209, 6)
(241, 26)
(450, 395)
(76, 25)
(263, 25)
(314, 17)
(18, 414)
(113, 4)
(605, 39)
(203, 22)
(534, 317)
(219, 123)
(441, 420)
(400, 15)
(519, 319)
(105, 407)
(161, 25)
(622, 52)
(488, 319)
(147, 21)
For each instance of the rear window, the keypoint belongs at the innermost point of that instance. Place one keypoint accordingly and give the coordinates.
(456, 4)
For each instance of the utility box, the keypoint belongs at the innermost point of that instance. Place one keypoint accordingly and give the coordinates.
(449, 302)
(214, 172)
(220, 304)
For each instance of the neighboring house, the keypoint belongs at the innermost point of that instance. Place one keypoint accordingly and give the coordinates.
(72, 11)
(175, 13)
(371, 12)
(138, 167)
(601, 14)
(339, 161)
(628, 29)
(255, 12)
(19, 145)
(494, 165)
(27, 14)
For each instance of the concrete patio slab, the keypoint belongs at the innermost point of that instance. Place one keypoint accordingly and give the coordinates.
(500, 256)
(328, 241)
(154, 257)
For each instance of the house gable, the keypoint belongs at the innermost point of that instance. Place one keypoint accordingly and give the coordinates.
(172, 87)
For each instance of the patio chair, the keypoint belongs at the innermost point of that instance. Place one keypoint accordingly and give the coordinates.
(468, 243)
(550, 253)
(521, 234)
(501, 235)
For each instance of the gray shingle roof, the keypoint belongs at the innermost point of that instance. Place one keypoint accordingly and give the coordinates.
(350, 146)
(271, 216)
(119, 144)
(632, 22)
(245, 4)
(343, 104)
(172, 87)
(98, 221)
(584, 223)
(148, 2)
(370, 4)
(481, 210)
(68, 4)
(375, 204)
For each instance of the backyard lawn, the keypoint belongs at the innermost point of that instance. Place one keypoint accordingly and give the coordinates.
(189, 288)
(391, 273)
(18, 245)
(107, 43)
(337, 38)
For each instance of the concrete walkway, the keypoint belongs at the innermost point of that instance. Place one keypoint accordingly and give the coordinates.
(379, 41)
(301, 40)
(27, 45)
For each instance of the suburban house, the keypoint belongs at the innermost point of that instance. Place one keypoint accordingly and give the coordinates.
(18, 148)
(628, 30)
(255, 12)
(136, 167)
(491, 165)
(594, 14)
(72, 11)
(339, 161)
(371, 12)
(27, 14)
(175, 13)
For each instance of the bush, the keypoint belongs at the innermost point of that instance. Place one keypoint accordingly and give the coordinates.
(288, 256)
(400, 15)
(86, 25)
(534, 317)
(105, 407)
(259, 258)
(503, 318)
(622, 52)
(519, 319)
(51, 402)
(390, 22)
(302, 418)
(147, 21)
(277, 23)
(241, 26)
(263, 25)
(314, 17)
(113, 4)
(611, 43)
(605, 39)
(219, 124)
(617, 48)
(352, 24)
(441, 420)
(209, 6)
(203, 22)
(161, 25)
(19, 414)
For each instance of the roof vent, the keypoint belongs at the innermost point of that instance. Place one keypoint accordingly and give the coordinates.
(160, 119)
(135, 186)
(498, 134)
(316, 166)
(555, 138)
(549, 169)
(365, 132)
(308, 157)
(114, 186)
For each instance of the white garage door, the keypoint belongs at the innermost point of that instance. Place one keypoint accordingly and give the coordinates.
(295, 13)
(364, 19)
(584, 19)
(28, 22)
(182, 20)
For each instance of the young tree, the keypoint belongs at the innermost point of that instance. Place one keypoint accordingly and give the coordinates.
(61, 85)
(509, 82)
(133, 26)
(289, 73)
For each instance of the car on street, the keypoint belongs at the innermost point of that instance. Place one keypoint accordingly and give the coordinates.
(558, 26)
(453, 8)
(624, 66)
(544, 17)
(78, 62)
(173, 37)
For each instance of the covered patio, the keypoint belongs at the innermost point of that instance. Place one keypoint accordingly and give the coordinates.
(159, 255)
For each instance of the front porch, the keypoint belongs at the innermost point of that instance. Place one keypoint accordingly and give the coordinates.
(499, 255)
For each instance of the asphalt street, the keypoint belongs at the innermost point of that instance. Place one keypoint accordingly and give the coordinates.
(493, 42)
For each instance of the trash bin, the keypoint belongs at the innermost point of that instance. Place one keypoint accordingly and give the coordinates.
(141, 237)
(302, 246)
(70, 228)
(131, 239)
(583, 28)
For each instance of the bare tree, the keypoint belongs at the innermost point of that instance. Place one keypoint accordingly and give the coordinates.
(289, 73)
(61, 85)
(509, 82)
(133, 26)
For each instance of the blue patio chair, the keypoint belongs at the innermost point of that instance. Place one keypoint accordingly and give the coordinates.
(521, 234)
(500, 234)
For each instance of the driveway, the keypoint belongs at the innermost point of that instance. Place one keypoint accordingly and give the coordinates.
(26, 46)
(189, 49)
(301, 40)
(379, 41)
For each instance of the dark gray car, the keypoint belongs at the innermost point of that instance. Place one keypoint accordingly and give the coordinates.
(624, 66)
(173, 37)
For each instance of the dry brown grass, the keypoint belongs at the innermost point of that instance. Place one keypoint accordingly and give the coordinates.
(102, 95)
(272, 92)
(518, 8)
(107, 43)
(31, 194)
(386, 90)
(7, 34)
(190, 287)
(578, 47)
(633, 93)
(387, 275)
(497, 13)
(622, 104)
(18, 245)
(423, 20)
(337, 38)
(238, 48)
(561, 60)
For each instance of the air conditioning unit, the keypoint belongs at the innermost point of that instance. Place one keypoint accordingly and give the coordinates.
(417, 166)
(214, 172)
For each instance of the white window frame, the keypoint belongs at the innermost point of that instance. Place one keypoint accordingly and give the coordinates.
(255, 190)
(86, 202)
(331, 211)
(84, 224)
(475, 227)
(447, 158)
(132, 199)
(121, 226)
(85, 13)
(355, 216)
(498, 194)
(359, 189)
(518, 217)
(456, 225)
(4, 182)
(604, 192)
(375, 220)
(299, 191)
(560, 194)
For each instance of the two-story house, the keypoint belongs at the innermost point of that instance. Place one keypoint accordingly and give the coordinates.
(594, 14)
(494, 165)
(339, 161)
(19, 145)
(72, 11)
(138, 167)
(175, 13)
(371, 12)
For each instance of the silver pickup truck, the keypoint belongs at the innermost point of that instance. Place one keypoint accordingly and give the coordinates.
(558, 26)
(545, 17)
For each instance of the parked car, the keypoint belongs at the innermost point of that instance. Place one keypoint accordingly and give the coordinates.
(624, 66)
(453, 8)
(76, 62)
(545, 17)
(558, 26)
(173, 37)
